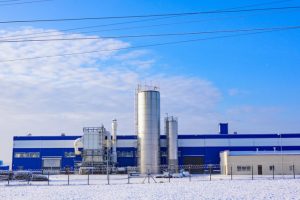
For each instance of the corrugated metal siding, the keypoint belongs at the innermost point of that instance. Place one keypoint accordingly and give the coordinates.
(207, 145)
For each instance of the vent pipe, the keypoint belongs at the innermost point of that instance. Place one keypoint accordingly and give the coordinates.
(114, 126)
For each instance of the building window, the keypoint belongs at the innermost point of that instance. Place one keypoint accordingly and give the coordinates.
(272, 167)
(69, 154)
(27, 155)
(243, 168)
(125, 153)
(163, 154)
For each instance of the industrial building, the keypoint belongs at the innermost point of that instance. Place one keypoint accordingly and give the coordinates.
(260, 162)
(35, 152)
(147, 150)
(3, 167)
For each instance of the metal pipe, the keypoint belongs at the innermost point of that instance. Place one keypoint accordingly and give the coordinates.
(76, 145)
(252, 171)
(114, 127)
(294, 171)
(107, 169)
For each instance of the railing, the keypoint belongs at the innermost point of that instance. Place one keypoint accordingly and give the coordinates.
(131, 175)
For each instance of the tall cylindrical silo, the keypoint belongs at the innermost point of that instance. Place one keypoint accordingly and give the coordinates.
(114, 127)
(148, 129)
(171, 128)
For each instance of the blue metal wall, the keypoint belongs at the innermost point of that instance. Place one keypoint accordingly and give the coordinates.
(210, 154)
(36, 163)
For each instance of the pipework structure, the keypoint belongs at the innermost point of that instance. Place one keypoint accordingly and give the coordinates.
(148, 128)
(97, 149)
(171, 131)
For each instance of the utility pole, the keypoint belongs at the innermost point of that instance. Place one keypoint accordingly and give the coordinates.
(281, 155)
(107, 166)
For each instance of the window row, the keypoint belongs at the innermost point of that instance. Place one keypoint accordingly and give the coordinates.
(125, 154)
(27, 155)
(37, 154)
(243, 168)
(69, 154)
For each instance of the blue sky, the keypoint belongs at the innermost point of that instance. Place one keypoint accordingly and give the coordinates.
(264, 65)
(249, 81)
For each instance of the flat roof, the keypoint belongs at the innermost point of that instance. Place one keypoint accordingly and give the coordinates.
(181, 136)
(253, 153)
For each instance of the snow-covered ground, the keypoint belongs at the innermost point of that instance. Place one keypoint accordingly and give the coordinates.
(221, 187)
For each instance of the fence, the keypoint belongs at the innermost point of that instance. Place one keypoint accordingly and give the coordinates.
(186, 173)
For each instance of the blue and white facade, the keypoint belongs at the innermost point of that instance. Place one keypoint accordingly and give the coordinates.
(3, 167)
(30, 152)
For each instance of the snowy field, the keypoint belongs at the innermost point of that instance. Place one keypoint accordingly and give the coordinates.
(199, 187)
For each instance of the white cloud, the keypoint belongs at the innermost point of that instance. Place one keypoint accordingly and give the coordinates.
(63, 94)
(237, 92)
(262, 119)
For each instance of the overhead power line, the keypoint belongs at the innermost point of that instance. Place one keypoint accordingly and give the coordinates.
(154, 35)
(45, 33)
(5, 1)
(77, 28)
(60, 32)
(152, 15)
(22, 2)
(140, 46)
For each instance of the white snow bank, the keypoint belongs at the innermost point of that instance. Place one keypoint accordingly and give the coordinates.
(198, 188)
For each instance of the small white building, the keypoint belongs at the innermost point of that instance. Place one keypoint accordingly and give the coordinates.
(260, 162)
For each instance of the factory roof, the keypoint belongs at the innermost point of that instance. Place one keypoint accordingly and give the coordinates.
(181, 136)
(253, 153)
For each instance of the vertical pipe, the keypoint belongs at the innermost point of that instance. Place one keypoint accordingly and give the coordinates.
(252, 171)
(107, 170)
(128, 182)
(281, 156)
(231, 172)
(114, 127)
(88, 177)
(273, 171)
(28, 178)
(68, 178)
(48, 178)
(190, 177)
(210, 173)
(294, 171)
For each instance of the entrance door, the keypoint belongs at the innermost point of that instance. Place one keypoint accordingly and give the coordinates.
(51, 165)
(259, 169)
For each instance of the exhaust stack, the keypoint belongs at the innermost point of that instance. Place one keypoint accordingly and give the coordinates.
(114, 126)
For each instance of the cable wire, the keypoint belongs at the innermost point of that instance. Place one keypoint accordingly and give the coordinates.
(153, 35)
(24, 2)
(136, 21)
(140, 46)
(151, 15)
